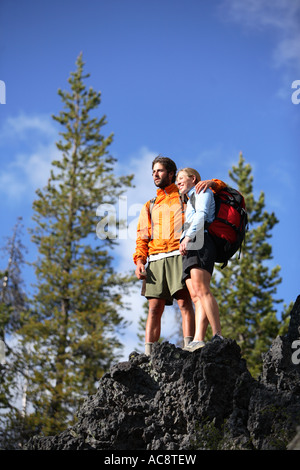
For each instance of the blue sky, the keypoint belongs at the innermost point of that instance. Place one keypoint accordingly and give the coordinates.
(195, 80)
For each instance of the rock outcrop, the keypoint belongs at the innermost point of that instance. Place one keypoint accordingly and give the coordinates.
(176, 400)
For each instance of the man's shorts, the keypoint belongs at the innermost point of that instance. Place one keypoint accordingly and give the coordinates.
(164, 278)
(203, 258)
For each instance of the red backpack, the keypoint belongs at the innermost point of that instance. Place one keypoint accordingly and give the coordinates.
(228, 229)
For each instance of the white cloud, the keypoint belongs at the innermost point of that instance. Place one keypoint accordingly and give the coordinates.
(140, 164)
(288, 52)
(281, 16)
(11, 186)
(29, 168)
(18, 127)
(36, 167)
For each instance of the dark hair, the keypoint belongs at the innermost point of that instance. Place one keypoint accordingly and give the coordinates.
(167, 163)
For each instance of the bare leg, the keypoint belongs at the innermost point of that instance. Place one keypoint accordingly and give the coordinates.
(185, 305)
(200, 279)
(201, 320)
(153, 325)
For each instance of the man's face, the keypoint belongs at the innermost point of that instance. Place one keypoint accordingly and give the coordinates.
(161, 177)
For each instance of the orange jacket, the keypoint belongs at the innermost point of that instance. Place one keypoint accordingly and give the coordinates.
(160, 232)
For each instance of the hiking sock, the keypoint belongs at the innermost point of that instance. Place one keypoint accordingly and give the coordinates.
(187, 340)
(148, 348)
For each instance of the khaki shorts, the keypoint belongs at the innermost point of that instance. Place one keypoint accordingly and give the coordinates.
(164, 278)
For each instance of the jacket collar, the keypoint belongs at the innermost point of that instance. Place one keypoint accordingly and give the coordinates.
(172, 188)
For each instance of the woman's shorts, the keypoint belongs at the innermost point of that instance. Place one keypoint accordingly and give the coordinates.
(164, 278)
(203, 258)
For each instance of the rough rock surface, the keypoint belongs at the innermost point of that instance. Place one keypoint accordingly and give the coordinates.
(176, 400)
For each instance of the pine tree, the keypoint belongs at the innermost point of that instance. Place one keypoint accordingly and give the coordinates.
(12, 295)
(13, 306)
(78, 295)
(246, 288)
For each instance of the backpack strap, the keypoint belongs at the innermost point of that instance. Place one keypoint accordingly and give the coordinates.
(151, 205)
(192, 200)
(183, 200)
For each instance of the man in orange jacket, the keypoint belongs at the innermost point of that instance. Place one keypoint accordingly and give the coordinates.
(158, 239)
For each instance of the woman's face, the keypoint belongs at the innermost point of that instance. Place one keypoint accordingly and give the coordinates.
(185, 182)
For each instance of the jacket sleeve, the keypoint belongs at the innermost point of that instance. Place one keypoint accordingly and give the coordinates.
(219, 185)
(143, 235)
(202, 212)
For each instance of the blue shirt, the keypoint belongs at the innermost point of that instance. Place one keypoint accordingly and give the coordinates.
(204, 212)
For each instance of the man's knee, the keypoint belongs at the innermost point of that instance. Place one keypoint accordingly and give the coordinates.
(156, 307)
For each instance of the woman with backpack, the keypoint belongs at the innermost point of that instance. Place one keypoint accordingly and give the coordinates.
(198, 252)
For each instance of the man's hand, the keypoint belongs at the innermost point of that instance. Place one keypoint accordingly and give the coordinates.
(140, 271)
(183, 247)
(203, 185)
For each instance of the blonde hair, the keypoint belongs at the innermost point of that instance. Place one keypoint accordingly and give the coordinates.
(191, 172)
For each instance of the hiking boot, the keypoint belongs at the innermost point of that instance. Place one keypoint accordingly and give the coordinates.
(194, 345)
(217, 337)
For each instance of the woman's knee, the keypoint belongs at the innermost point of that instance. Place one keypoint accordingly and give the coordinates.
(201, 291)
